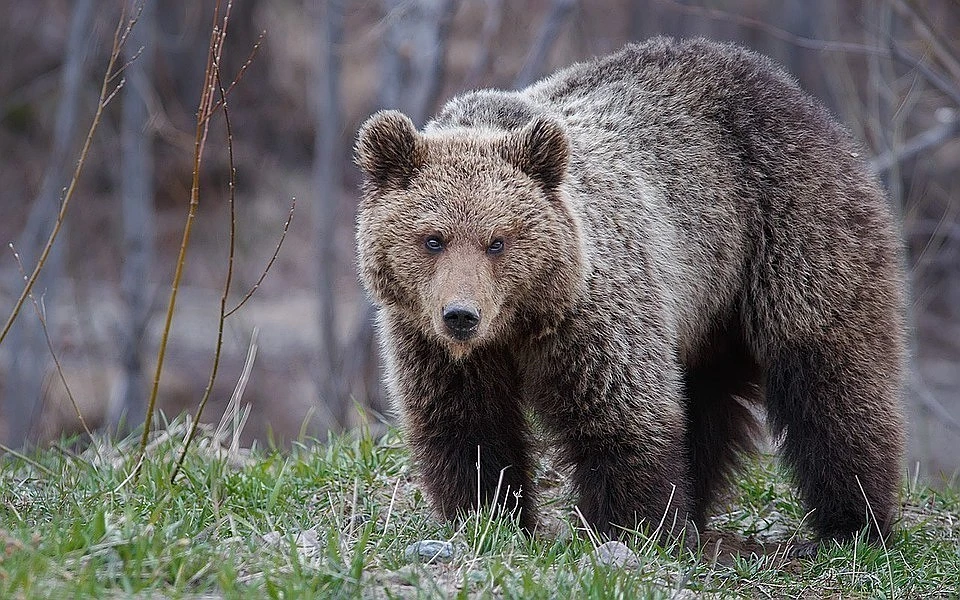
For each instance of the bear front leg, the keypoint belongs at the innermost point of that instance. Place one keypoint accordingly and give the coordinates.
(621, 427)
(464, 425)
(626, 486)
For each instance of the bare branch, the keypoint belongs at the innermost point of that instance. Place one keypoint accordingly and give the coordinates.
(327, 171)
(71, 188)
(933, 406)
(115, 91)
(433, 82)
(949, 89)
(243, 69)
(229, 278)
(915, 145)
(130, 61)
(886, 160)
(893, 50)
(42, 317)
(137, 224)
(217, 34)
(24, 383)
(415, 50)
(120, 35)
(276, 252)
(921, 24)
(775, 32)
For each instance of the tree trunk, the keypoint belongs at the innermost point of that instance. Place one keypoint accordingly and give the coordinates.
(414, 53)
(327, 172)
(23, 386)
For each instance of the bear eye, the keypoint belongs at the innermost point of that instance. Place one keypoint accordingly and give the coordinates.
(433, 244)
(495, 247)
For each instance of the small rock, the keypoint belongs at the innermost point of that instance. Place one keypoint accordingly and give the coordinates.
(430, 551)
(308, 542)
(617, 555)
(476, 577)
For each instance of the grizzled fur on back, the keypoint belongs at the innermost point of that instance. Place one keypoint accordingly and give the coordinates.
(635, 250)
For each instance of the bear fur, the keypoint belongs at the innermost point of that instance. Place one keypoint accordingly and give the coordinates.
(635, 253)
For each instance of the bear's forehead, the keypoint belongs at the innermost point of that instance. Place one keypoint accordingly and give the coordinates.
(460, 205)
(476, 157)
(460, 200)
(468, 176)
(466, 183)
(468, 171)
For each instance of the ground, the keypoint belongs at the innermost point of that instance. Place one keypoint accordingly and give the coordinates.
(335, 520)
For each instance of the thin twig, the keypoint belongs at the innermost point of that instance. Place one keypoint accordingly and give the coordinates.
(776, 32)
(432, 83)
(888, 159)
(823, 45)
(915, 145)
(276, 251)
(28, 460)
(129, 62)
(229, 279)
(41, 316)
(933, 406)
(81, 161)
(327, 174)
(243, 69)
(948, 88)
(203, 125)
(921, 24)
(129, 28)
(115, 91)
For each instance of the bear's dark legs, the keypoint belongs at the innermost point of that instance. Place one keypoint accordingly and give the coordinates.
(620, 428)
(720, 426)
(834, 401)
(624, 484)
(474, 414)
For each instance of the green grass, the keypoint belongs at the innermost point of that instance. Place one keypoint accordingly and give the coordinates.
(333, 521)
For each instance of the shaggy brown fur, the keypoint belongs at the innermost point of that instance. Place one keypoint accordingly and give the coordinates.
(635, 249)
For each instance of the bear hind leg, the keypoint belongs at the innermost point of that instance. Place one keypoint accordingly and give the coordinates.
(835, 404)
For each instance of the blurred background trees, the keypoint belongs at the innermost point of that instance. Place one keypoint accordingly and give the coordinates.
(890, 69)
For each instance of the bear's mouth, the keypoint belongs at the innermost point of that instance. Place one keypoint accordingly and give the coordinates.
(463, 336)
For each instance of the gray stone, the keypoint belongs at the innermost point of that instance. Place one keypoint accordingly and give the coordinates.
(617, 555)
(430, 551)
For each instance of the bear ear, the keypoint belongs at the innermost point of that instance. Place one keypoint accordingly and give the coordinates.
(389, 149)
(541, 150)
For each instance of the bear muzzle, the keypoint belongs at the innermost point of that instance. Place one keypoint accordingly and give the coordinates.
(462, 320)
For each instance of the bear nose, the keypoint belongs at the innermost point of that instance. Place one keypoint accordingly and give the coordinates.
(461, 320)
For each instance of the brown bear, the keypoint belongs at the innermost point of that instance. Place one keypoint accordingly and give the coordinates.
(634, 253)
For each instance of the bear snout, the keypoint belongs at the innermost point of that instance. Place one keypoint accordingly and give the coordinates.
(461, 320)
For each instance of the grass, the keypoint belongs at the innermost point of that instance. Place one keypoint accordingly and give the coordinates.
(333, 520)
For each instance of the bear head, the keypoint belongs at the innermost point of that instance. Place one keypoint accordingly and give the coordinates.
(468, 233)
